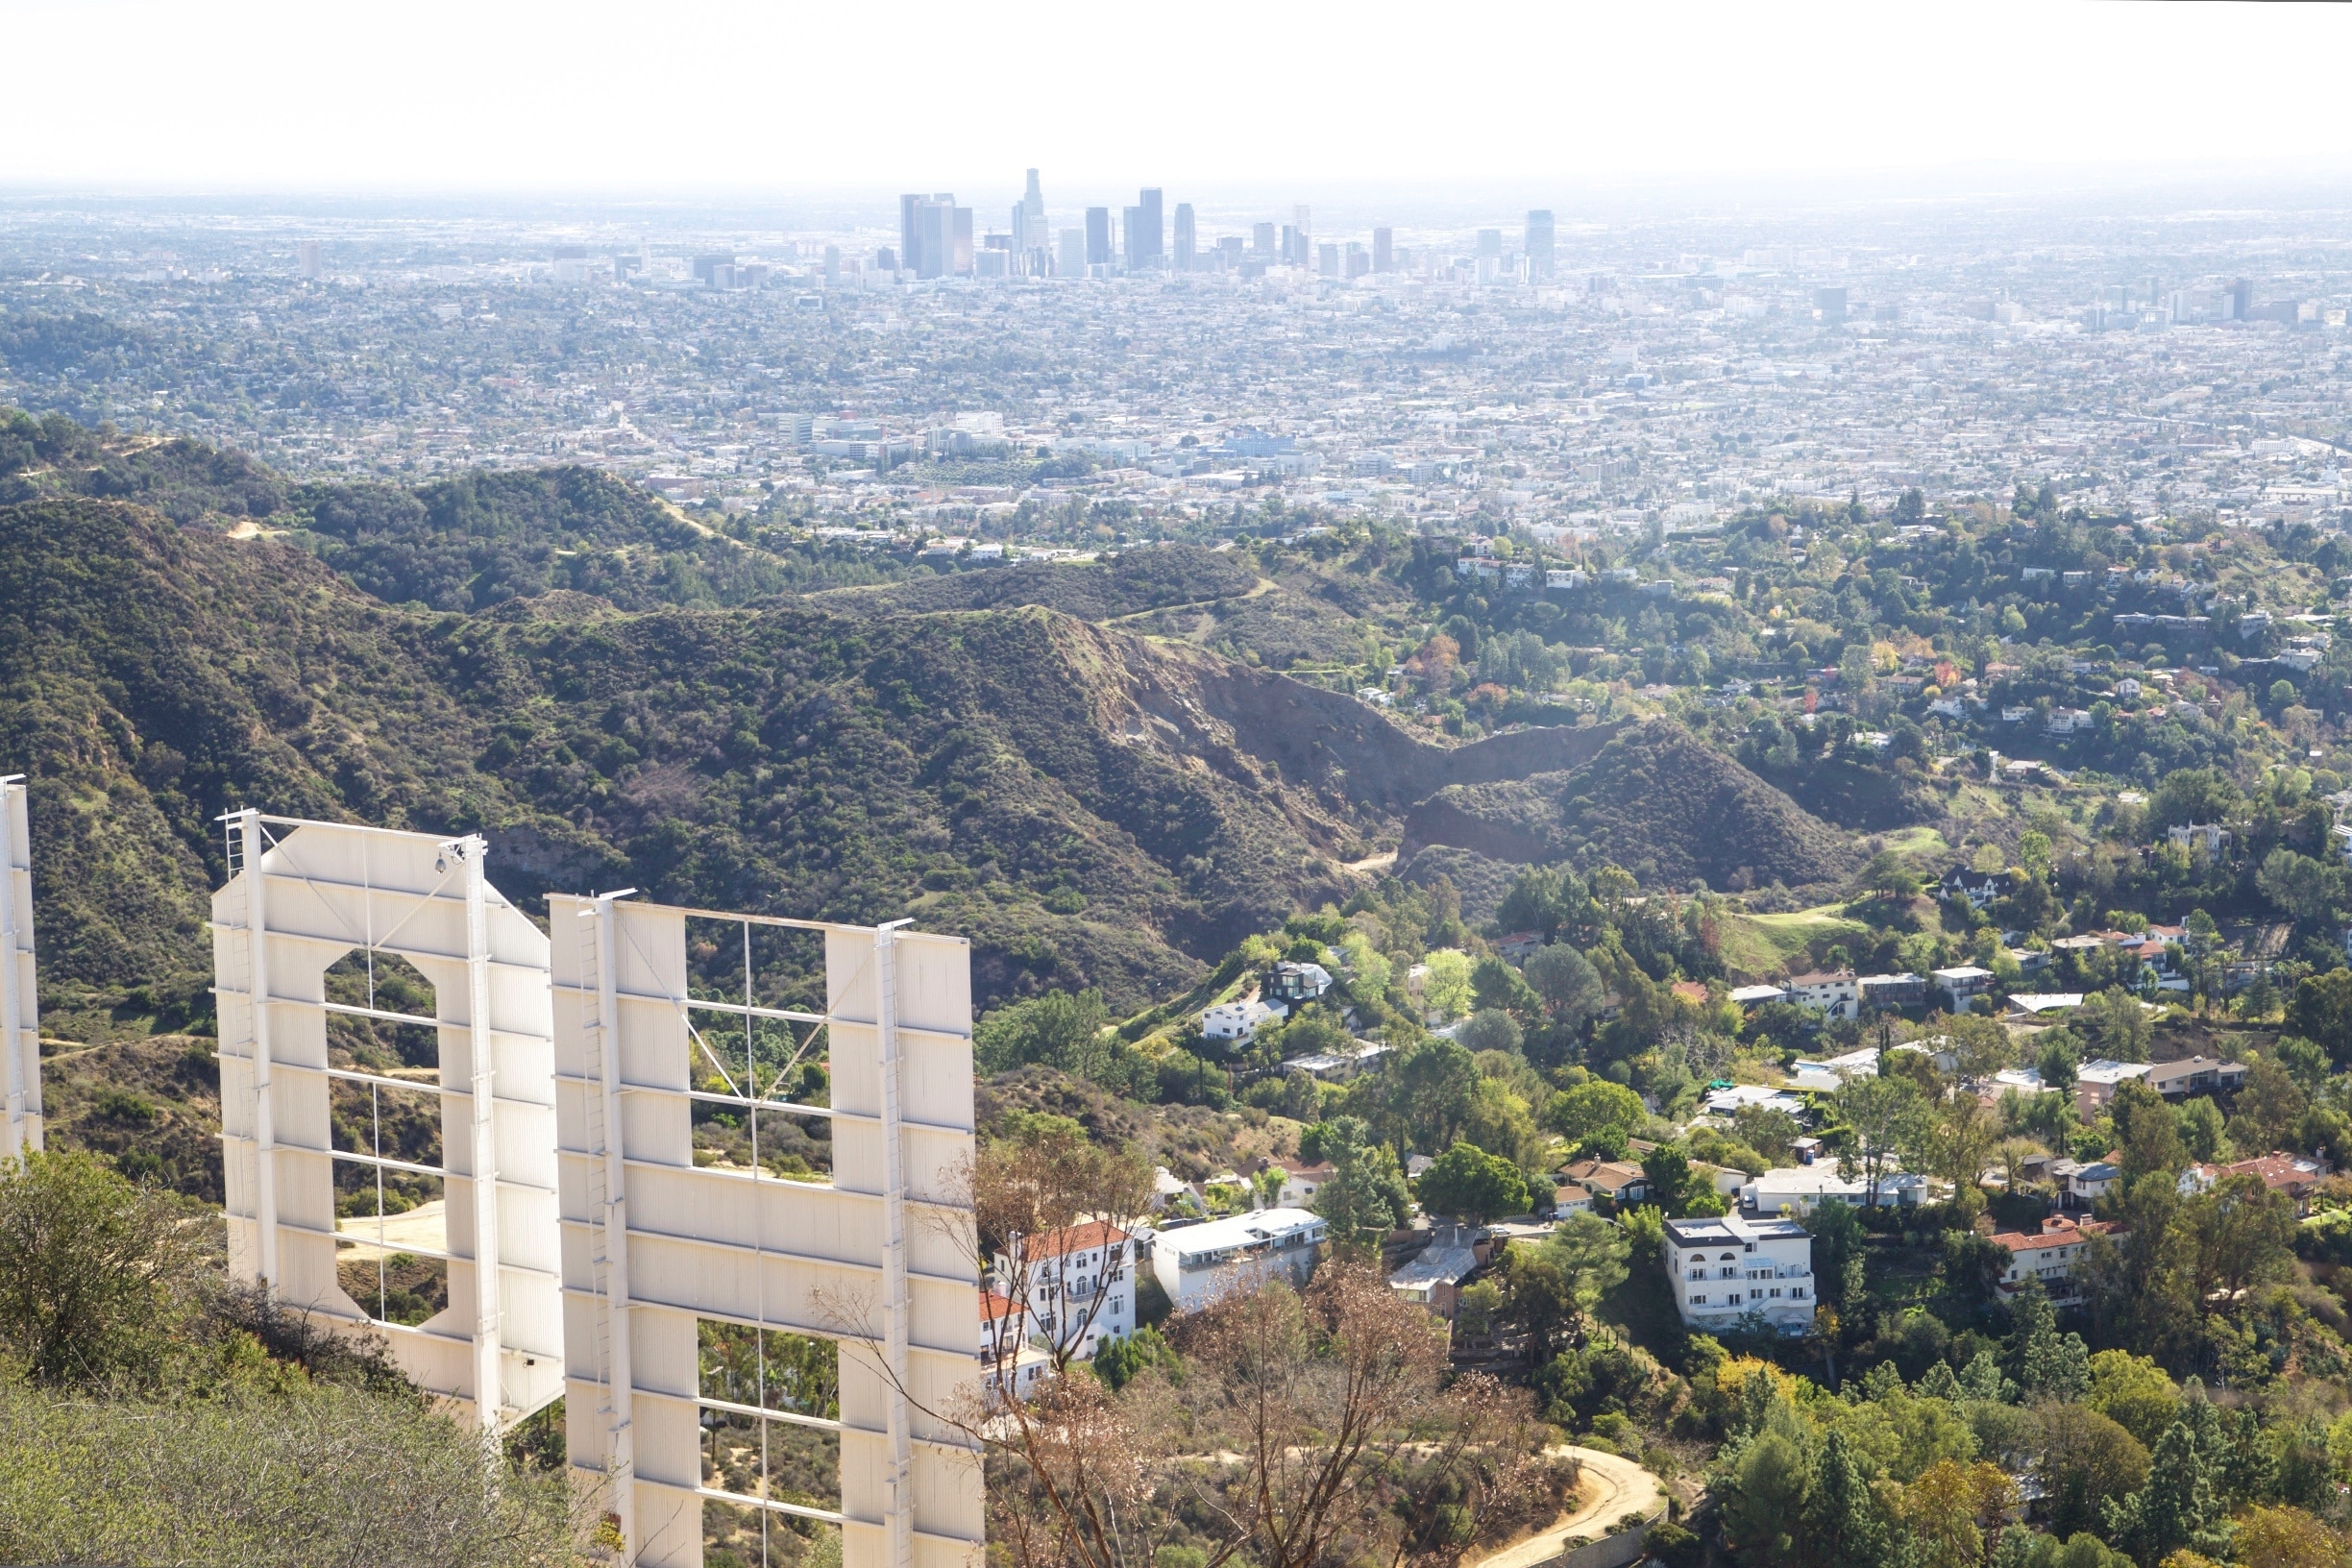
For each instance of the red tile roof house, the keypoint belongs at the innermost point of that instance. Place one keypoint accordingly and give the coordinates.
(2297, 1175)
(2051, 1255)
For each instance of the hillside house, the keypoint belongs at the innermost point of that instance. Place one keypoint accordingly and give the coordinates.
(1978, 888)
(1080, 1290)
(2082, 1185)
(1833, 993)
(1962, 984)
(1434, 1279)
(1015, 1366)
(2297, 1175)
(2196, 1075)
(1609, 1179)
(2052, 1255)
(2095, 1081)
(1292, 983)
(1729, 1268)
(1893, 990)
(1235, 1022)
(1199, 1263)
(1301, 1182)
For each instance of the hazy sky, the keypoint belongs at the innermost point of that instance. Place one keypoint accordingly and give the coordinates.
(646, 98)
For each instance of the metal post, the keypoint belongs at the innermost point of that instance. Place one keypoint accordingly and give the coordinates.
(620, 1455)
(24, 1128)
(488, 1390)
(901, 1519)
(257, 1002)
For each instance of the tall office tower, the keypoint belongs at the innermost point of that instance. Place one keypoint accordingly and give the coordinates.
(1186, 240)
(1539, 253)
(1490, 244)
(1261, 240)
(1306, 231)
(307, 254)
(1073, 262)
(928, 228)
(1830, 303)
(2241, 295)
(1131, 238)
(1383, 250)
(1327, 261)
(832, 263)
(910, 243)
(1293, 247)
(1153, 232)
(1358, 259)
(1030, 235)
(1098, 236)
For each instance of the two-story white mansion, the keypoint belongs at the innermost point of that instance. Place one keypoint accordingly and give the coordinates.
(1725, 1268)
(1081, 1286)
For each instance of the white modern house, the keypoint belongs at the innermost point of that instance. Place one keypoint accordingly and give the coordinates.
(1834, 993)
(1800, 1189)
(1199, 1263)
(1962, 984)
(1239, 1020)
(1724, 1102)
(1727, 1268)
(1081, 1285)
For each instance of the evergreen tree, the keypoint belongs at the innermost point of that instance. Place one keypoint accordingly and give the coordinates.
(1938, 1382)
(2176, 1508)
(2057, 1366)
(1981, 1379)
(1844, 1527)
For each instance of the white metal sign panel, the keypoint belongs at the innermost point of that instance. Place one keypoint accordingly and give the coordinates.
(301, 896)
(20, 996)
(879, 1260)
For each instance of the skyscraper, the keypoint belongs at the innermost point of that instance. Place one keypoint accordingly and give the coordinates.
(1306, 234)
(929, 227)
(1539, 253)
(1152, 232)
(1030, 235)
(1261, 240)
(909, 246)
(307, 253)
(1383, 250)
(1131, 238)
(1490, 244)
(1293, 246)
(1098, 236)
(1071, 262)
(1186, 240)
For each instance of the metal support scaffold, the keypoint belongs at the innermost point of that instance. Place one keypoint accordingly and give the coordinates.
(20, 996)
(656, 1245)
(301, 896)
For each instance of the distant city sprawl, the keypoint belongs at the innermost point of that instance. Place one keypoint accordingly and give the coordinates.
(1077, 374)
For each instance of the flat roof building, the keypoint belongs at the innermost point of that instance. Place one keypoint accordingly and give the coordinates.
(1726, 1268)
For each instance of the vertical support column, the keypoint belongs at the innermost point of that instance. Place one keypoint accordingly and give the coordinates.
(256, 1005)
(488, 1393)
(22, 1044)
(901, 1519)
(619, 1445)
